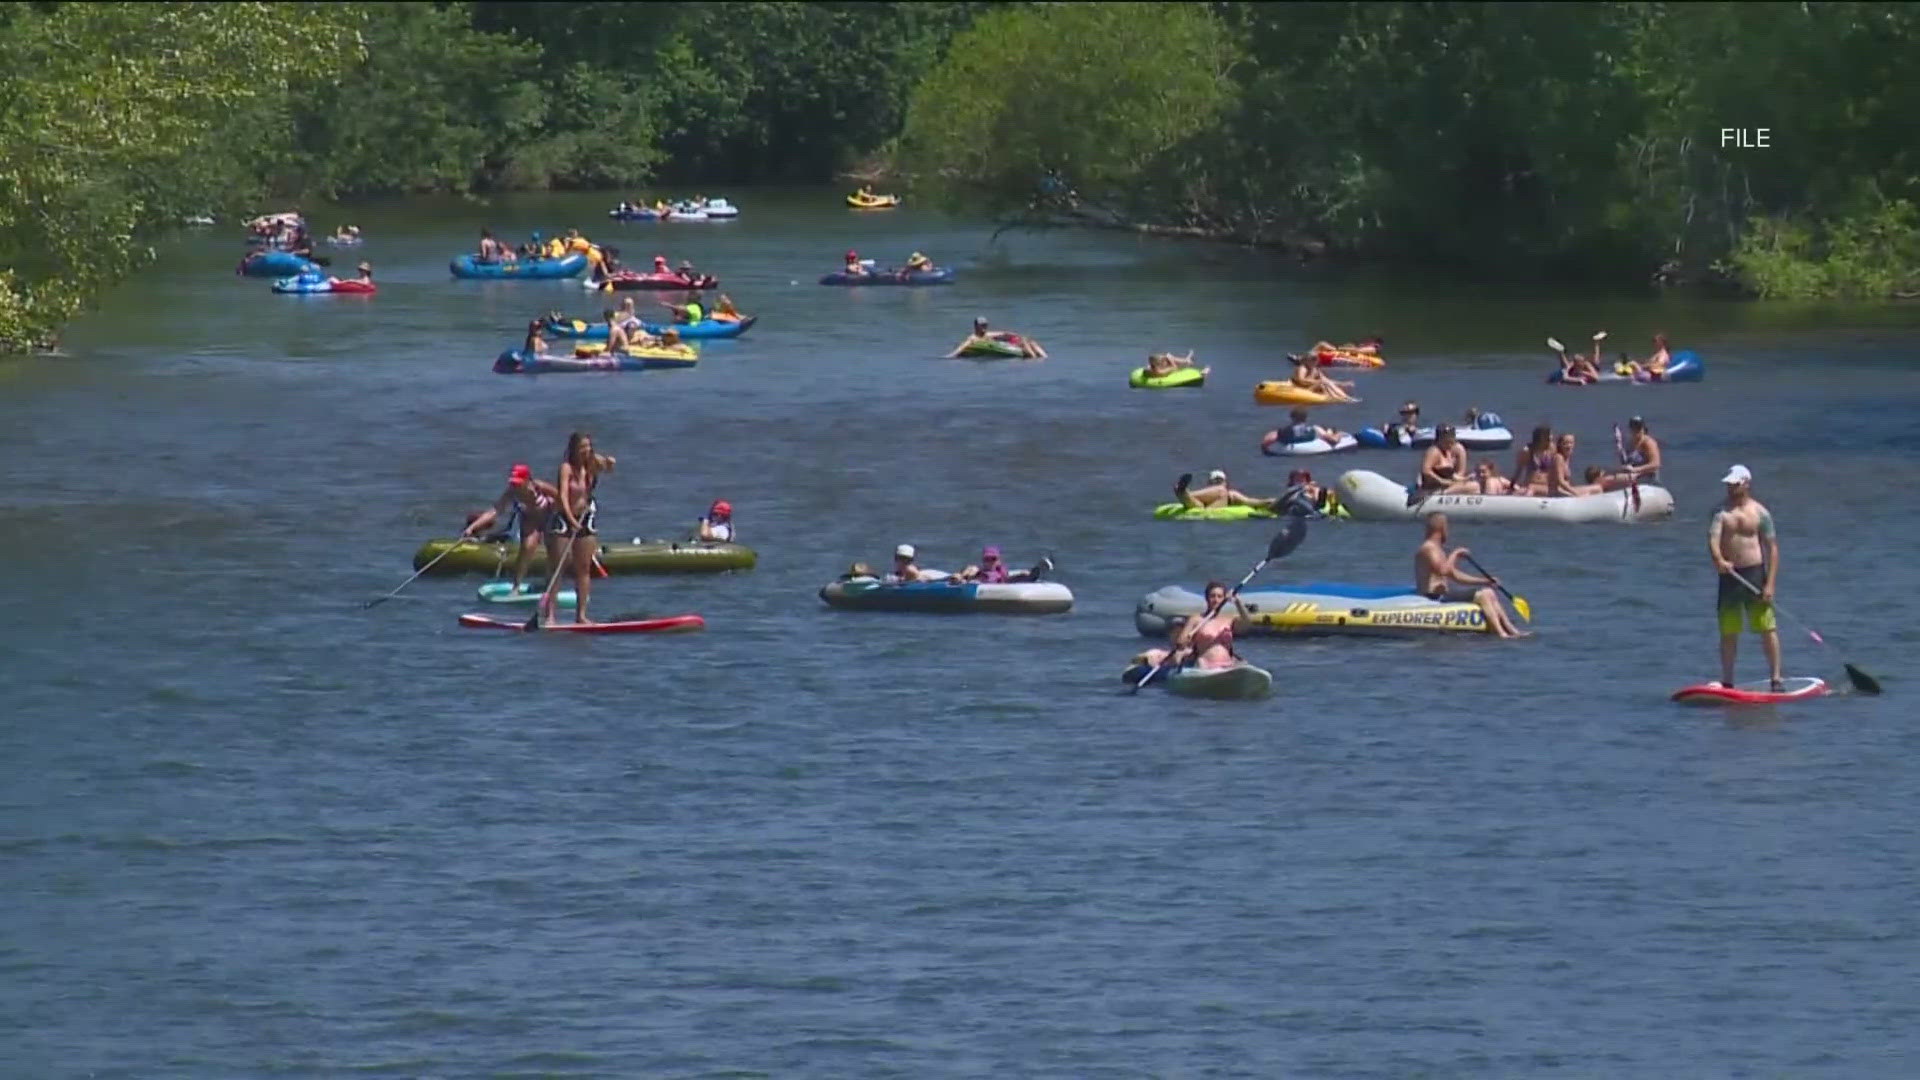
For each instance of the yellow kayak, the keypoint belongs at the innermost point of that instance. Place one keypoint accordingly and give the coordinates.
(1284, 392)
(872, 202)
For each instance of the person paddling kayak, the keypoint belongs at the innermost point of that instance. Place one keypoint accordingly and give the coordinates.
(571, 527)
(1204, 643)
(528, 503)
(1437, 576)
(1744, 548)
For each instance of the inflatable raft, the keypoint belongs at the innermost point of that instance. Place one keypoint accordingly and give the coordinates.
(704, 329)
(1489, 437)
(596, 358)
(322, 284)
(1339, 358)
(470, 266)
(994, 349)
(1318, 609)
(629, 281)
(1237, 682)
(277, 264)
(1176, 512)
(1271, 446)
(1372, 497)
(1683, 366)
(872, 202)
(938, 276)
(619, 557)
(1186, 376)
(1283, 392)
(1011, 598)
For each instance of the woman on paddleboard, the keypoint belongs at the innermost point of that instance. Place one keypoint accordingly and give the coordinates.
(528, 503)
(571, 527)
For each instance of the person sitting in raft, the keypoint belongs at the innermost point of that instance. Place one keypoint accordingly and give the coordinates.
(1217, 493)
(1301, 430)
(1563, 445)
(1594, 485)
(1444, 464)
(1581, 370)
(1437, 576)
(1642, 458)
(1486, 480)
(1654, 365)
(347, 232)
(1535, 465)
(1324, 351)
(686, 271)
(717, 526)
(534, 345)
(1308, 377)
(528, 503)
(981, 334)
(724, 311)
(1399, 431)
(919, 264)
(576, 242)
(1476, 420)
(992, 570)
(660, 266)
(692, 311)
(854, 267)
(1159, 364)
(618, 340)
(1305, 498)
(363, 275)
(906, 570)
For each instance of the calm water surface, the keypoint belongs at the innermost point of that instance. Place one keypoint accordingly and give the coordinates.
(248, 828)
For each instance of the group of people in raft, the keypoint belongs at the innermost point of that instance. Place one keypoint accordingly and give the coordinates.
(990, 570)
(858, 267)
(564, 516)
(1580, 370)
(626, 331)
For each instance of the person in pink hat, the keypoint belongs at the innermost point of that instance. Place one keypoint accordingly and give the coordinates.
(992, 569)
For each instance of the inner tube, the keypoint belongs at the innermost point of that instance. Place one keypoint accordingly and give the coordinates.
(628, 281)
(1186, 376)
(1177, 512)
(1473, 438)
(992, 349)
(1284, 392)
(1272, 447)
(872, 202)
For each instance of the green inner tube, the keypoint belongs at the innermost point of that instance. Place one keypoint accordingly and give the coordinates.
(993, 347)
(1186, 376)
(1176, 512)
(619, 557)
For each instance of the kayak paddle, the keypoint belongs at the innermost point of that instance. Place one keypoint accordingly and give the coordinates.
(416, 574)
(1284, 541)
(1555, 345)
(1519, 604)
(1861, 681)
(1633, 479)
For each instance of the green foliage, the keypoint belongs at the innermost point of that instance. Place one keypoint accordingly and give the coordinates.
(1873, 253)
(1097, 92)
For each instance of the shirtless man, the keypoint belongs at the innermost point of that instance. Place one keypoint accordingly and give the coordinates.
(1437, 576)
(1217, 493)
(1743, 546)
(906, 569)
(527, 503)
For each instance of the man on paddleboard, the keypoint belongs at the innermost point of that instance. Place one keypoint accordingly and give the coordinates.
(1437, 576)
(1744, 548)
(527, 503)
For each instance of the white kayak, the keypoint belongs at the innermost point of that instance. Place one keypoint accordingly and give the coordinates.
(1368, 496)
(1241, 682)
(1011, 598)
(1304, 449)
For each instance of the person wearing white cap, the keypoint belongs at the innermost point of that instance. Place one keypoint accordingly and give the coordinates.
(905, 569)
(1217, 493)
(1745, 550)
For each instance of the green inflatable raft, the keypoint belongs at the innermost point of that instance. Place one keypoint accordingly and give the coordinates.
(1186, 376)
(619, 557)
(1176, 512)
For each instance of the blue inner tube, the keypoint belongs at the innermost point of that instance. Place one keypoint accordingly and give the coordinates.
(278, 264)
(938, 276)
(705, 328)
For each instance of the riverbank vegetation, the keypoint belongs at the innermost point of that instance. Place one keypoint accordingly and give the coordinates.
(1565, 139)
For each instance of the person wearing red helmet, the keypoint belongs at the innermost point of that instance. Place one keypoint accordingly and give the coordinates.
(527, 503)
(717, 526)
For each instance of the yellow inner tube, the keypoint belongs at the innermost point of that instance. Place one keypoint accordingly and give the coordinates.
(1284, 392)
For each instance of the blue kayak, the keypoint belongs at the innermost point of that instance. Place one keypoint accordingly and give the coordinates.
(938, 276)
(470, 266)
(1683, 366)
(277, 264)
(581, 330)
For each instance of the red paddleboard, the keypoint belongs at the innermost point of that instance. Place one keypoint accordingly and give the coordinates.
(672, 624)
(1755, 693)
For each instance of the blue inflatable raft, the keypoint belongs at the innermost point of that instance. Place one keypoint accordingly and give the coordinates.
(1682, 366)
(582, 330)
(277, 264)
(470, 266)
(937, 276)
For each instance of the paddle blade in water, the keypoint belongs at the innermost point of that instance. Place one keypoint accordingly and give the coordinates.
(1862, 681)
(1288, 538)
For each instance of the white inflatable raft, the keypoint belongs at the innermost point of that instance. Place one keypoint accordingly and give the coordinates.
(1274, 448)
(1318, 609)
(1012, 598)
(1368, 496)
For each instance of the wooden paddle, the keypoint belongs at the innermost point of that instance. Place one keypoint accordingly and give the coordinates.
(1284, 541)
(416, 574)
(1519, 603)
(1861, 681)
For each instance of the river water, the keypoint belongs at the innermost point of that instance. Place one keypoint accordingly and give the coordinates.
(249, 828)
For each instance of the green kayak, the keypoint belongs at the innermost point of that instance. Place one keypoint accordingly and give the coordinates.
(1176, 512)
(1186, 376)
(619, 557)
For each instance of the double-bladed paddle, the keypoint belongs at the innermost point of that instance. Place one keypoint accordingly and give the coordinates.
(1519, 603)
(1861, 681)
(1284, 541)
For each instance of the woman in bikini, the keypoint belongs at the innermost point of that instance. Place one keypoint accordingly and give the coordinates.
(1308, 377)
(1206, 644)
(1444, 464)
(570, 530)
(1535, 463)
(528, 504)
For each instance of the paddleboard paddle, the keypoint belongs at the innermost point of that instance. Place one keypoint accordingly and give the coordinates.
(416, 574)
(559, 566)
(1861, 681)
(1519, 603)
(1284, 541)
